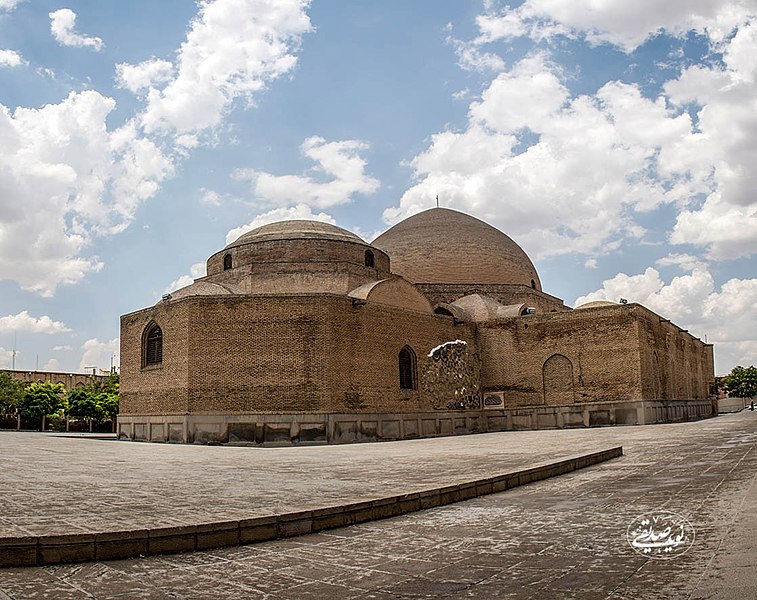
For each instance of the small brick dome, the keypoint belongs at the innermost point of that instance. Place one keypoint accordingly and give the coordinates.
(296, 230)
(288, 247)
(446, 246)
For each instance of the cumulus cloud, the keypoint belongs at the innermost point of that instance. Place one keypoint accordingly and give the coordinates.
(196, 271)
(572, 173)
(99, 354)
(62, 26)
(562, 174)
(233, 49)
(65, 179)
(300, 211)
(62, 348)
(11, 58)
(727, 316)
(623, 24)
(52, 365)
(147, 74)
(23, 321)
(339, 160)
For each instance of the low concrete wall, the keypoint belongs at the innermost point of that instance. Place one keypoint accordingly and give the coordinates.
(45, 550)
(322, 428)
(730, 405)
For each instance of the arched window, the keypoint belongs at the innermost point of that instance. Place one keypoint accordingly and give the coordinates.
(369, 261)
(227, 262)
(533, 284)
(408, 377)
(153, 346)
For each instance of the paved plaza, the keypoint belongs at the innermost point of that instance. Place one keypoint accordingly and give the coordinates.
(560, 538)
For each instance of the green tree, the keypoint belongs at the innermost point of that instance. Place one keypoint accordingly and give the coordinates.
(82, 402)
(108, 404)
(41, 399)
(108, 397)
(11, 393)
(741, 382)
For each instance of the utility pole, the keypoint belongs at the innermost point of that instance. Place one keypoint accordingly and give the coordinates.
(15, 335)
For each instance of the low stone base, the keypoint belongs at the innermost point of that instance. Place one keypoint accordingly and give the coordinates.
(305, 429)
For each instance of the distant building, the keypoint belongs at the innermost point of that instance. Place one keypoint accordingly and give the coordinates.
(68, 380)
(302, 332)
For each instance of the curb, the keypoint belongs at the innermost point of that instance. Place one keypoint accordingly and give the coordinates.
(46, 550)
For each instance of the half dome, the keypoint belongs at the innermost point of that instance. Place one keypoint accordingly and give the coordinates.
(446, 246)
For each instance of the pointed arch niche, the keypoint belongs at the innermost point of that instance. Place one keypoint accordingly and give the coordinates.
(558, 381)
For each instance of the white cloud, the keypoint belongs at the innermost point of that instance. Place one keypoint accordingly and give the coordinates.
(196, 271)
(141, 77)
(300, 211)
(62, 348)
(9, 5)
(623, 24)
(6, 358)
(232, 50)
(728, 316)
(211, 197)
(99, 354)
(566, 173)
(720, 154)
(562, 174)
(11, 58)
(52, 365)
(339, 160)
(23, 321)
(62, 24)
(471, 58)
(64, 179)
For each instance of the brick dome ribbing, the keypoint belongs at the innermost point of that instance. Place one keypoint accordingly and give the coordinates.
(446, 246)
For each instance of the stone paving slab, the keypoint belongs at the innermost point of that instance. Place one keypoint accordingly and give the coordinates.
(80, 547)
(559, 538)
(52, 484)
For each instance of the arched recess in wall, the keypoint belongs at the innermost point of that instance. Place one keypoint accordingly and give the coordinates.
(558, 381)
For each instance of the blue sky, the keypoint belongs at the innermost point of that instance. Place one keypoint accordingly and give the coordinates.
(613, 142)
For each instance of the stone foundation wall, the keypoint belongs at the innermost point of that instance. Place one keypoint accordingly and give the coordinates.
(303, 429)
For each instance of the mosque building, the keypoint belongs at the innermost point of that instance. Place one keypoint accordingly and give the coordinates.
(301, 332)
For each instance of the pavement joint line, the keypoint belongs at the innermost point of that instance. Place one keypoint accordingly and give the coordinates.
(24, 551)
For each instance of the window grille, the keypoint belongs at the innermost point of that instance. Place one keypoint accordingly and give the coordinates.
(407, 369)
(154, 346)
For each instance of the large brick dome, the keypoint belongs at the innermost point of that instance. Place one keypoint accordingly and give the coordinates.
(446, 246)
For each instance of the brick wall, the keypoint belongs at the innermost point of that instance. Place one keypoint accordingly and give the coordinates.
(279, 354)
(159, 389)
(602, 347)
(675, 365)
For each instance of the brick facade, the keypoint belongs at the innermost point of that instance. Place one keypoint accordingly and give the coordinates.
(294, 336)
